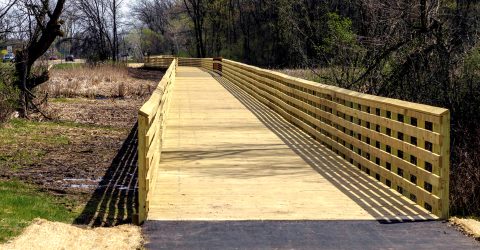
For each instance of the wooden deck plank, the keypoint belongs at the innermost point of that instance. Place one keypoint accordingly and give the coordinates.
(220, 161)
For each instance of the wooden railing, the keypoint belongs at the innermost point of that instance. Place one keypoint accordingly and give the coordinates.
(158, 61)
(206, 63)
(164, 61)
(151, 128)
(404, 145)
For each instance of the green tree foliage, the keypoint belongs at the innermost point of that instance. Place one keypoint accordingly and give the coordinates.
(151, 41)
(339, 33)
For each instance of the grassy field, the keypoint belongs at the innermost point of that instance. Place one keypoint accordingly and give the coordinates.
(25, 142)
(68, 65)
(60, 169)
(69, 80)
(307, 74)
(27, 152)
(34, 136)
(33, 156)
(21, 203)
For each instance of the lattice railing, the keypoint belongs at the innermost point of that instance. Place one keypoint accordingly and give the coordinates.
(401, 144)
(404, 145)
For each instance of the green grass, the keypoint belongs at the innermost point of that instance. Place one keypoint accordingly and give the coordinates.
(63, 100)
(21, 157)
(25, 142)
(84, 125)
(21, 129)
(37, 130)
(20, 204)
(68, 65)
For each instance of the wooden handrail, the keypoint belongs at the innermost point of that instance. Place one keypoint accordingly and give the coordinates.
(206, 63)
(158, 61)
(151, 129)
(404, 145)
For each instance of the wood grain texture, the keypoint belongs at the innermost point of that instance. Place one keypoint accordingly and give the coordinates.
(228, 156)
(404, 145)
(158, 61)
(151, 127)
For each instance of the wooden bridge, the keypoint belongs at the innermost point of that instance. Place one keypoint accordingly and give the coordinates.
(221, 140)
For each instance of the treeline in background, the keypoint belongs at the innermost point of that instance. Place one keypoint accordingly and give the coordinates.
(424, 51)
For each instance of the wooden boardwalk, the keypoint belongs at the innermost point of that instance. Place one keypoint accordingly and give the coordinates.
(226, 156)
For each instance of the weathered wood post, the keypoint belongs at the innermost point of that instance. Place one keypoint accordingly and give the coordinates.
(216, 65)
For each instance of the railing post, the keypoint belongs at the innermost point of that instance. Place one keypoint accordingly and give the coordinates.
(142, 185)
(147, 58)
(217, 66)
(445, 166)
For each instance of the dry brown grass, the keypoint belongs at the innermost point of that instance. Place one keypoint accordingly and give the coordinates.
(118, 113)
(105, 81)
(332, 76)
(307, 74)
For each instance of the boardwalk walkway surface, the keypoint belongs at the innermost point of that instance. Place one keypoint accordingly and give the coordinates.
(233, 173)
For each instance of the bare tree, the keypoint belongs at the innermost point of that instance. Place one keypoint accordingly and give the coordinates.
(95, 26)
(43, 27)
(6, 8)
(4, 11)
(154, 13)
(98, 23)
(157, 16)
(196, 9)
(114, 10)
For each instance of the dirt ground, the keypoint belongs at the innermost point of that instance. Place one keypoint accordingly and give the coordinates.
(87, 153)
(469, 227)
(97, 131)
(42, 234)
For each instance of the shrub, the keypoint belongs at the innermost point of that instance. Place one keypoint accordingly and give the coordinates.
(8, 92)
(465, 153)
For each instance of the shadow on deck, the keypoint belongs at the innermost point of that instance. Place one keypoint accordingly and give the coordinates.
(114, 201)
(377, 199)
(382, 233)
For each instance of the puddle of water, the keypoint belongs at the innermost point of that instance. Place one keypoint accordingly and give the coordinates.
(89, 183)
(122, 187)
(100, 97)
(83, 180)
(81, 186)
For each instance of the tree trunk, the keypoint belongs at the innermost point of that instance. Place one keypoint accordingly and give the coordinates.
(21, 68)
(115, 35)
(42, 37)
